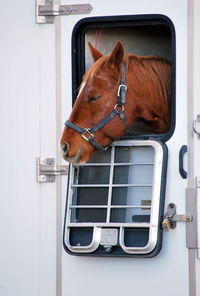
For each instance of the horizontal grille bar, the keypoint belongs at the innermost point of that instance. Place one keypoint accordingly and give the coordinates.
(93, 224)
(105, 207)
(107, 185)
(114, 164)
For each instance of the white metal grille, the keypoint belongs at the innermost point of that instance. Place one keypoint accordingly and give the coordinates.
(118, 191)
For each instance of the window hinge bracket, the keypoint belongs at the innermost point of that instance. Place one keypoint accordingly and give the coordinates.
(47, 170)
(46, 10)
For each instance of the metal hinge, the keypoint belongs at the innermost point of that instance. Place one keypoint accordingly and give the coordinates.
(198, 215)
(171, 218)
(47, 170)
(46, 10)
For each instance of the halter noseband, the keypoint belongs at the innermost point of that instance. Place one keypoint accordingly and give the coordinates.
(88, 133)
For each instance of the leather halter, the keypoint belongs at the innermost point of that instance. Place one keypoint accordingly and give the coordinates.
(88, 133)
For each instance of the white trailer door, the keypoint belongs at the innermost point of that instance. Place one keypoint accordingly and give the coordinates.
(36, 100)
(117, 276)
(28, 130)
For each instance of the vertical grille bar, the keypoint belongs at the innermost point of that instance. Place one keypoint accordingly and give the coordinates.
(110, 183)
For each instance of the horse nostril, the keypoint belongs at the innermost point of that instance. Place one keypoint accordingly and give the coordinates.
(65, 148)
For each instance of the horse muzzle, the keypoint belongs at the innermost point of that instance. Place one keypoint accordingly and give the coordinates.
(75, 159)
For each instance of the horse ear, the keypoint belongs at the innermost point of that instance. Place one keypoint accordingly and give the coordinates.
(117, 54)
(95, 53)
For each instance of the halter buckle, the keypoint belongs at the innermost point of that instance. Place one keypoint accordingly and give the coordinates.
(84, 135)
(119, 89)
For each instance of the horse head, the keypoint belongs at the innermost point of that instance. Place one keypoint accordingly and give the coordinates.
(112, 96)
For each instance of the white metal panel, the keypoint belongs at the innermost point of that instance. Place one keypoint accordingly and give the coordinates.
(19, 140)
(194, 108)
(27, 130)
(117, 276)
(48, 147)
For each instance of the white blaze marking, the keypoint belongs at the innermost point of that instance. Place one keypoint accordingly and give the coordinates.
(81, 88)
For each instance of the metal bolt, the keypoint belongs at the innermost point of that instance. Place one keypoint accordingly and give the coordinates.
(108, 249)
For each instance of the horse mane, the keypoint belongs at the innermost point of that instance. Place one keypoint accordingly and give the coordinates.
(149, 72)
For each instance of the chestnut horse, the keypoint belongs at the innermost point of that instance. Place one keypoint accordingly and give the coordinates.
(117, 91)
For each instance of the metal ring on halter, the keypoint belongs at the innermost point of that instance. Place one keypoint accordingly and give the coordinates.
(119, 89)
(87, 131)
(120, 106)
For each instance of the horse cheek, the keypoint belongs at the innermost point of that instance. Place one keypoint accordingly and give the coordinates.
(115, 129)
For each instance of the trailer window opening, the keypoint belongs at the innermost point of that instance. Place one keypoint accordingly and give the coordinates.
(140, 35)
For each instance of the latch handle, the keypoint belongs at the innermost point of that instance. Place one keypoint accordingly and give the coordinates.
(182, 152)
(171, 218)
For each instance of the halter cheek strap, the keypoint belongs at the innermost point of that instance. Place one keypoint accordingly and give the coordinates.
(88, 133)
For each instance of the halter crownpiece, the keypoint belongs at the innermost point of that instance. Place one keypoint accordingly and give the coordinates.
(88, 133)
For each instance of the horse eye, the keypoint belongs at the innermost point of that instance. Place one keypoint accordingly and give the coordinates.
(93, 98)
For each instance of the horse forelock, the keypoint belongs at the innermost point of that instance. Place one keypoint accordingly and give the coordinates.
(94, 68)
(102, 63)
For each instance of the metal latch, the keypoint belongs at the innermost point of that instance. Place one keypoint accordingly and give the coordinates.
(196, 126)
(46, 10)
(171, 218)
(47, 170)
